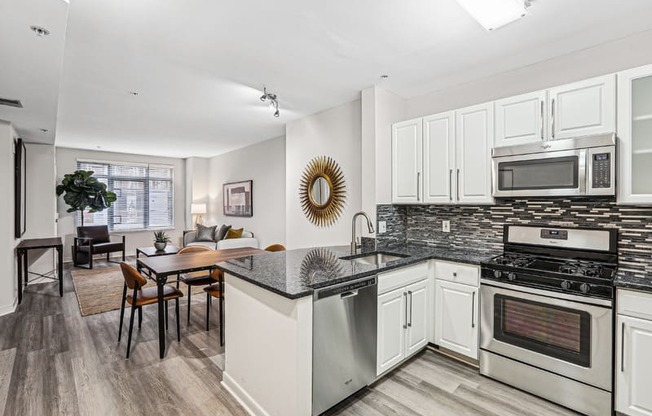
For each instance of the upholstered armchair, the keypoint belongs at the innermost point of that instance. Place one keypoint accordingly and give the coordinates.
(95, 239)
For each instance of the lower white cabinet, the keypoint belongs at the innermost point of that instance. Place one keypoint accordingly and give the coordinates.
(402, 324)
(634, 354)
(456, 317)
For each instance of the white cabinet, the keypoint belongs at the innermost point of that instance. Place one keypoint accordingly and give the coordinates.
(406, 161)
(521, 119)
(583, 108)
(475, 127)
(403, 318)
(635, 136)
(439, 158)
(456, 317)
(634, 361)
(391, 333)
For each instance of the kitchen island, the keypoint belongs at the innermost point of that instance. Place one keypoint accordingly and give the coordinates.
(269, 318)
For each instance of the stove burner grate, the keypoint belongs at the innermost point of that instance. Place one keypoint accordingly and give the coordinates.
(514, 260)
(581, 269)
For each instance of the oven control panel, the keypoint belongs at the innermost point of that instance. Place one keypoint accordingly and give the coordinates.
(601, 170)
(551, 234)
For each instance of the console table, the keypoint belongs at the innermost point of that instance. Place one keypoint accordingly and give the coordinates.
(22, 250)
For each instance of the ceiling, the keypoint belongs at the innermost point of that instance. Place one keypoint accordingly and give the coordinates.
(199, 66)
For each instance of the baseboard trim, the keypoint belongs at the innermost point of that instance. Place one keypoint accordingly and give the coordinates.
(242, 397)
(6, 310)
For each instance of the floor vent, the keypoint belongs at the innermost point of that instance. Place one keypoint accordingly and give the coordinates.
(11, 103)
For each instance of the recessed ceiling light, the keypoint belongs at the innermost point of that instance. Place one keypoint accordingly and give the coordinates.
(384, 77)
(44, 130)
(99, 147)
(492, 14)
(134, 93)
(39, 31)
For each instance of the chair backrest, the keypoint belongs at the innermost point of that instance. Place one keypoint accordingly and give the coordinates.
(99, 233)
(275, 247)
(132, 277)
(193, 249)
(216, 275)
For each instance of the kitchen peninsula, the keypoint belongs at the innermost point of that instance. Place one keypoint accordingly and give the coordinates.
(269, 299)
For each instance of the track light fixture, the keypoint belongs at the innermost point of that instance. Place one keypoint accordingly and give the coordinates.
(273, 101)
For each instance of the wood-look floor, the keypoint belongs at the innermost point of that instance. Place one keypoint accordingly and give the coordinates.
(54, 362)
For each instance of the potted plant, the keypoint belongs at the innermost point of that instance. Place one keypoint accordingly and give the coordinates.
(160, 240)
(83, 191)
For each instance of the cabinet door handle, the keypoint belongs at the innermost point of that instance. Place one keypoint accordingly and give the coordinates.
(458, 185)
(553, 118)
(418, 185)
(622, 348)
(450, 184)
(473, 310)
(541, 119)
(410, 321)
(406, 310)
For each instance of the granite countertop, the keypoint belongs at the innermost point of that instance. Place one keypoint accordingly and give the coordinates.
(296, 273)
(630, 279)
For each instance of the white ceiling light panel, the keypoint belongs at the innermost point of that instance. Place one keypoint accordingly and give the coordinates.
(492, 14)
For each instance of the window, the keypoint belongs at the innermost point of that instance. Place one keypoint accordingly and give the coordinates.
(145, 196)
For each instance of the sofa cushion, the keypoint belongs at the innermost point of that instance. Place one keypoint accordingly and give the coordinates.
(205, 233)
(221, 232)
(233, 233)
(101, 248)
(209, 244)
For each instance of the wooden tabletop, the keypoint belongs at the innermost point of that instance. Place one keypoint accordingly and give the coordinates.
(194, 261)
(33, 243)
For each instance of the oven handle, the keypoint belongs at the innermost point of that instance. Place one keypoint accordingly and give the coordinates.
(554, 295)
(473, 310)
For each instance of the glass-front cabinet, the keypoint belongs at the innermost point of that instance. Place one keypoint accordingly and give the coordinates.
(635, 136)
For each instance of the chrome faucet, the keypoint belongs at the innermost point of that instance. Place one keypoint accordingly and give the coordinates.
(354, 244)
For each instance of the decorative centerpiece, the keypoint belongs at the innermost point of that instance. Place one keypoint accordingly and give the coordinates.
(160, 240)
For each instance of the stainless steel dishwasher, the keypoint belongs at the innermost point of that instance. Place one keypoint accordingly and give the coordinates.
(344, 341)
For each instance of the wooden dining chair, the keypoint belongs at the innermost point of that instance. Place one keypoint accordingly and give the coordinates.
(202, 278)
(275, 247)
(141, 297)
(215, 291)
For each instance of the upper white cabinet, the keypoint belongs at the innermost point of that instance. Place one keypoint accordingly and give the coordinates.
(521, 119)
(635, 136)
(573, 110)
(444, 158)
(406, 161)
(633, 358)
(475, 127)
(439, 158)
(583, 108)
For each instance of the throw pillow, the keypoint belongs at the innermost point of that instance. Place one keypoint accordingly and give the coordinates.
(221, 232)
(205, 233)
(233, 233)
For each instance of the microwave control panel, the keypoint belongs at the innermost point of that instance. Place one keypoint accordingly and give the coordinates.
(601, 167)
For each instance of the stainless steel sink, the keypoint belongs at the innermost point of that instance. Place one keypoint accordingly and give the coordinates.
(375, 259)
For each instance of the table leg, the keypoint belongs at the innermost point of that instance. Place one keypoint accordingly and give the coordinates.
(25, 267)
(160, 282)
(60, 268)
(20, 276)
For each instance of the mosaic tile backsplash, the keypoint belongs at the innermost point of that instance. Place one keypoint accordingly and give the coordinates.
(481, 227)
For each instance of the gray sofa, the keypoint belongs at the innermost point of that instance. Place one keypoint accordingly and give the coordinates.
(247, 240)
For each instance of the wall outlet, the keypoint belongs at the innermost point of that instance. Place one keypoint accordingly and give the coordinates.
(382, 227)
(446, 226)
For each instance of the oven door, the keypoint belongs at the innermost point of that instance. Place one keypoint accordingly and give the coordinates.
(564, 336)
(561, 173)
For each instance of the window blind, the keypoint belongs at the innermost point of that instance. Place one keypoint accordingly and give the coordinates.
(145, 195)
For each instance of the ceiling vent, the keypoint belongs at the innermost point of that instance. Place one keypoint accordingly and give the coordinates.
(11, 103)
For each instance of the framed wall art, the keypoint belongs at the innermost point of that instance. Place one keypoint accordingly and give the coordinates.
(238, 199)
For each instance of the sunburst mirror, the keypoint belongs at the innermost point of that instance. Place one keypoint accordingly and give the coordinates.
(322, 191)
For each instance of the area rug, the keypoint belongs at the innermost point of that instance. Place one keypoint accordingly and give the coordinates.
(100, 290)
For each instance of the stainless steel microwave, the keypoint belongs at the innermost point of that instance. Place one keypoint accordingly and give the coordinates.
(583, 166)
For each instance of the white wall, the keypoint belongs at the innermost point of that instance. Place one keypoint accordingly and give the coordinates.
(40, 204)
(603, 59)
(8, 295)
(66, 162)
(335, 133)
(197, 183)
(264, 163)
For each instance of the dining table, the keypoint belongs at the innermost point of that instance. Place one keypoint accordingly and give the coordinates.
(160, 268)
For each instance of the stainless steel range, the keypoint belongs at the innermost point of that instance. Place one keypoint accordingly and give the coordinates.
(546, 315)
